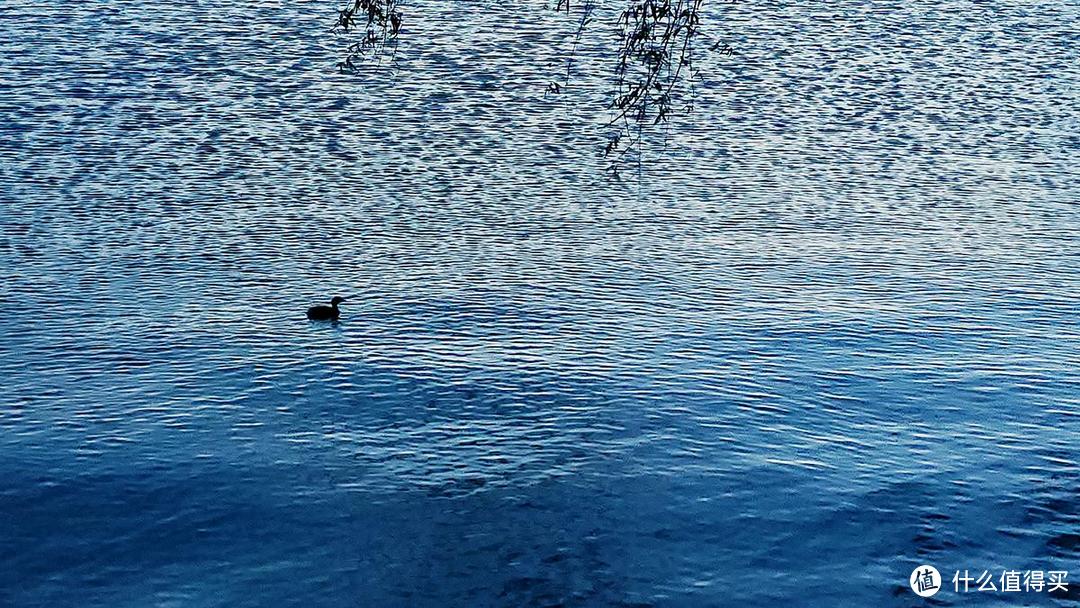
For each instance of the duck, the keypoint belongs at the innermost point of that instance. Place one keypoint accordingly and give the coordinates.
(326, 313)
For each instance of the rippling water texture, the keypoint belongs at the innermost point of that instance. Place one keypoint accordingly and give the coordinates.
(830, 334)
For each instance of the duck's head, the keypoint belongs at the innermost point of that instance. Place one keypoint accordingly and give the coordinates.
(337, 300)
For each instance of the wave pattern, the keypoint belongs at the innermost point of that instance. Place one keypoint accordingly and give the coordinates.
(831, 328)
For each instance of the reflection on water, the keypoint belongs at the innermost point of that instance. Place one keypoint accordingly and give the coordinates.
(831, 330)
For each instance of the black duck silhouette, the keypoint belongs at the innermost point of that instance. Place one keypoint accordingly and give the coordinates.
(326, 313)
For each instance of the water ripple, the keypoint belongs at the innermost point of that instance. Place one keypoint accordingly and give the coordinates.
(827, 325)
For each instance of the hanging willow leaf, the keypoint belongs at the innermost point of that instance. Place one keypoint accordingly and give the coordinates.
(654, 74)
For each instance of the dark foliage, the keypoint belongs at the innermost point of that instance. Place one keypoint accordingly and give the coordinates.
(654, 73)
(378, 22)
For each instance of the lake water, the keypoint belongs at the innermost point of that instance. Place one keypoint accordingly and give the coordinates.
(828, 334)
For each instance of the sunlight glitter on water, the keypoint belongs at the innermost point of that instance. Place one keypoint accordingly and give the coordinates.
(831, 328)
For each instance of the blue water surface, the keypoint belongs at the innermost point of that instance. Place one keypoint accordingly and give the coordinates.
(824, 332)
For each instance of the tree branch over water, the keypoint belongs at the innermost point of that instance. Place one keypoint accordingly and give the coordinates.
(377, 22)
(654, 72)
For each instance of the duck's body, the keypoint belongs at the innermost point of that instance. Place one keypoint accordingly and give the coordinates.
(326, 313)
